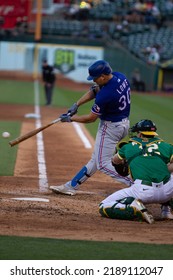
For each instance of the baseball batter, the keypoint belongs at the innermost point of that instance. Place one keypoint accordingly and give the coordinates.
(150, 161)
(112, 106)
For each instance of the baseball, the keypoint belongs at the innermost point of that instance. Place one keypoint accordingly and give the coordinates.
(5, 134)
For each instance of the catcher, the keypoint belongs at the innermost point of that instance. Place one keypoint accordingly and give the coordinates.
(150, 163)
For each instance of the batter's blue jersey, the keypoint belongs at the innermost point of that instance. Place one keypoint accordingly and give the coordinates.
(112, 102)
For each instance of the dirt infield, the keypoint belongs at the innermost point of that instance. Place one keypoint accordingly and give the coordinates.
(60, 216)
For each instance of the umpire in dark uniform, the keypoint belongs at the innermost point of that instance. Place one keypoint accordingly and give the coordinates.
(49, 78)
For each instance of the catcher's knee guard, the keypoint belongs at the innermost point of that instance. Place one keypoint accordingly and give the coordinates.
(80, 177)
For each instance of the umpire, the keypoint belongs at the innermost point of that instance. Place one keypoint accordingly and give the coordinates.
(48, 77)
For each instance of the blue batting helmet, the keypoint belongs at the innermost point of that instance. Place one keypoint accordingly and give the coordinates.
(98, 68)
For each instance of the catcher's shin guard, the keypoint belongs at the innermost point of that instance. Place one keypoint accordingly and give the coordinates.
(127, 213)
(80, 177)
(129, 210)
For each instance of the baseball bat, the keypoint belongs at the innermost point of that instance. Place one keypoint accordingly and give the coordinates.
(32, 133)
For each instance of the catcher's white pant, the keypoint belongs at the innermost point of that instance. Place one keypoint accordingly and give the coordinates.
(157, 193)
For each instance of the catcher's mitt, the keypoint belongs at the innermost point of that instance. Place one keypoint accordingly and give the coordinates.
(122, 168)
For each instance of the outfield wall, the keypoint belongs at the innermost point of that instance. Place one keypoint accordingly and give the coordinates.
(71, 61)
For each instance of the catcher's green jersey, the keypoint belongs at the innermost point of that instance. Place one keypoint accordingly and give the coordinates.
(148, 160)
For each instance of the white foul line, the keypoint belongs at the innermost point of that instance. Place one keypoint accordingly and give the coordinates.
(43, 180)
(82, 136)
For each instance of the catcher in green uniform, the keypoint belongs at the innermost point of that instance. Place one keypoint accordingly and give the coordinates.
(150, 163)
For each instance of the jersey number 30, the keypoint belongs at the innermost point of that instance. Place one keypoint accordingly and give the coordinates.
(124, 100)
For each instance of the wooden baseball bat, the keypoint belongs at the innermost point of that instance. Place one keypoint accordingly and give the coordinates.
(32, 133)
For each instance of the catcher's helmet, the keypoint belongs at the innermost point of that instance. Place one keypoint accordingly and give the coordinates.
(98, 68)
(146, 127)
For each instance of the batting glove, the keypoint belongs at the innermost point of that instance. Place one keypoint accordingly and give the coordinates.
(73, 109)
(65, 118)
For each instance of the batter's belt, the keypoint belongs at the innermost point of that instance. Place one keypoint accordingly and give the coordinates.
(151, 184)
(117, 122)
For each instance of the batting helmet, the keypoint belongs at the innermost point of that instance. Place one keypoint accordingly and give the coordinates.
(98, 68)
(146, 127)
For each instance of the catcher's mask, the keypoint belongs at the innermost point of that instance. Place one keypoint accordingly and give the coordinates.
(146, 127)
(98, 68)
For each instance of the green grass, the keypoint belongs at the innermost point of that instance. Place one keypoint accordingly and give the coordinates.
(15, 92)
(157, 108)
(26, 248)
(8, 154)
(143, 106)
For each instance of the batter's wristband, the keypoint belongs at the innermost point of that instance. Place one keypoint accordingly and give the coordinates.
(93, 89)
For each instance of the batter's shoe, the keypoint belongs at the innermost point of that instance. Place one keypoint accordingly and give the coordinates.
(63, 189)
(166, 212)
(139, 206)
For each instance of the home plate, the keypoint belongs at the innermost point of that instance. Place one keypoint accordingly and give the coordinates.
(31, 199)
(85, 192)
